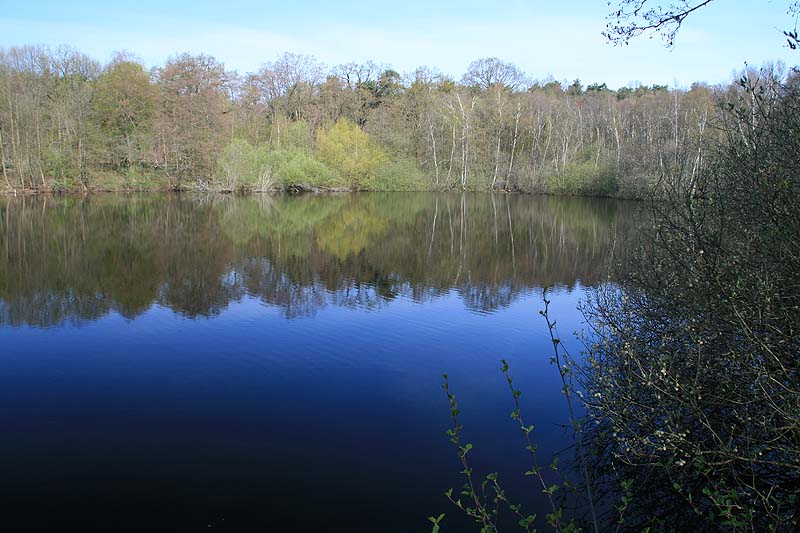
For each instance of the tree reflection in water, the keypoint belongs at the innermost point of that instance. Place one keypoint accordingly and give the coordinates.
(71, 259)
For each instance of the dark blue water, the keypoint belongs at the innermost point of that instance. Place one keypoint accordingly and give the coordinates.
(275, 363)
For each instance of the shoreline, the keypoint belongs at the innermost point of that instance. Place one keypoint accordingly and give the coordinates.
(293, 191)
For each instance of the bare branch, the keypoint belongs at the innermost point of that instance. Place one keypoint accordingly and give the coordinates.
(632, 19)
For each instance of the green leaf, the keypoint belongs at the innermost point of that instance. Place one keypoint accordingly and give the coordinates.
(551, 489)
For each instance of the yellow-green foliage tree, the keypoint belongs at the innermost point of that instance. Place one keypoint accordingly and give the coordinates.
(350, 152)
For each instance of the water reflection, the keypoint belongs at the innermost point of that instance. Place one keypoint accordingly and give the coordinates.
(72, 260)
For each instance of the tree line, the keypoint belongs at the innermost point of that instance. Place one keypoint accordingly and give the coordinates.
(68, 122)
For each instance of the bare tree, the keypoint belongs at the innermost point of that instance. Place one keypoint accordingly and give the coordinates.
(288, 83)
(489, 71)
(190, 123)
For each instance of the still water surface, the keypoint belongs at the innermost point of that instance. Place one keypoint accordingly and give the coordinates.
(274, 363)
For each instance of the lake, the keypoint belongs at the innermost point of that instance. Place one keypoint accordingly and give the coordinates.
(275, 362)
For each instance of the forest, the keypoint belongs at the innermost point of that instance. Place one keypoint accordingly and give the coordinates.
(68, 122)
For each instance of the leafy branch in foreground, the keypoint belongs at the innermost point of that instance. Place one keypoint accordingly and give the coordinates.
(567, 388)
(554, 519)
(480, 506)
(485, 510)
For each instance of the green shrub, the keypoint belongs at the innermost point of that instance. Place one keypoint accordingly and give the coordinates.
(584, 178)
(243, 166)
(399, 175)
(292, 166)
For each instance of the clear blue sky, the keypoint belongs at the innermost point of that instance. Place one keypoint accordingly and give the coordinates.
(541, 37)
